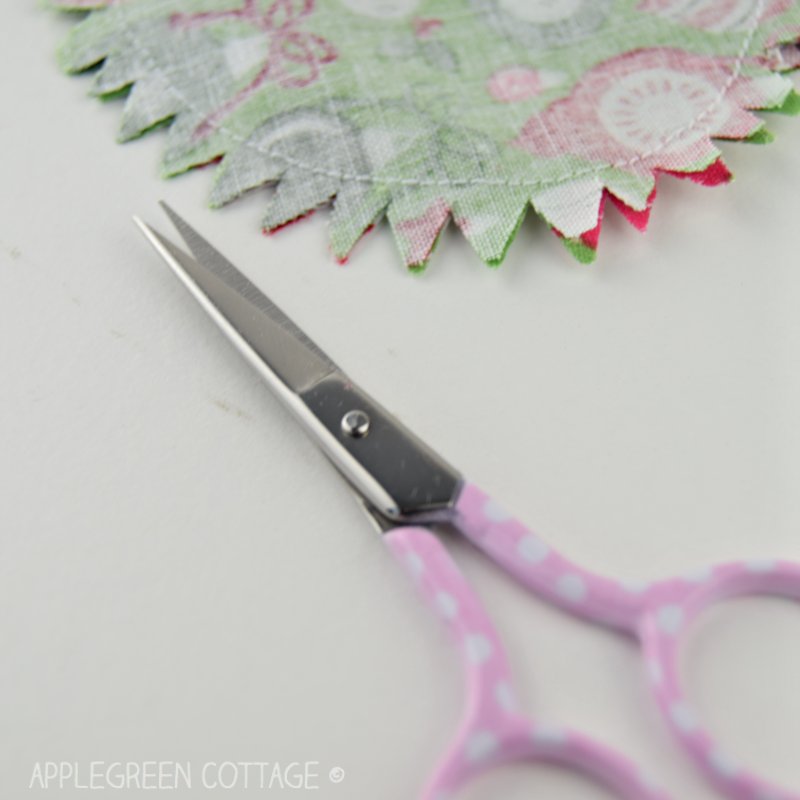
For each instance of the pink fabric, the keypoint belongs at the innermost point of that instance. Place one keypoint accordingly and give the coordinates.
(616, 133)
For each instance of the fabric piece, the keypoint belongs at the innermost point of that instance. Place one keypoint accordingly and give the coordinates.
(427, 110)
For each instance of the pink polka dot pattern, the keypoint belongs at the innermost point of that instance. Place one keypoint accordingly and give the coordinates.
(536, 565)
(493, 731)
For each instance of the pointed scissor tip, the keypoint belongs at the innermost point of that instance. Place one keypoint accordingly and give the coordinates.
(149, 233)
(171, 213)
(163, 247)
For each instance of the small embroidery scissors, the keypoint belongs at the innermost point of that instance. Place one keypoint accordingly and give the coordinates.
(406, 488)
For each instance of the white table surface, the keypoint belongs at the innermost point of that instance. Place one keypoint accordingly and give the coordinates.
(183, 577)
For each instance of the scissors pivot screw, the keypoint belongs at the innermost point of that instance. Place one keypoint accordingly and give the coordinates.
(355, 424)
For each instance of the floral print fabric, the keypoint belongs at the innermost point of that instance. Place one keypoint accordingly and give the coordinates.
(425, 111)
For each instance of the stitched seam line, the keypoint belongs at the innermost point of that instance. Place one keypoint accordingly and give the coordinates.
(149, 61)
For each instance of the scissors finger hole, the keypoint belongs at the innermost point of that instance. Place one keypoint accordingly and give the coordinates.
(519, 781)
(740, 664)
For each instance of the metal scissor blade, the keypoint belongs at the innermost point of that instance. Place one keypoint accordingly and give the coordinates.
(213, 260)
(269, 339)
(398, 475)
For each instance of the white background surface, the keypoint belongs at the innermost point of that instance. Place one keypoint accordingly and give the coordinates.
(183, 577)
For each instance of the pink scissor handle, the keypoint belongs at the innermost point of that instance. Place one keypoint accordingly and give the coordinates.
(541, 569)
(656, 614)
(493, 731)
(669, 608)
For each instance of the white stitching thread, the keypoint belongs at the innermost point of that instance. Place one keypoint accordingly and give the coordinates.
(243, 141)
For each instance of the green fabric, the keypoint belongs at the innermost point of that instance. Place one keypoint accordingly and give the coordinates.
(791, 105)
(424, 111)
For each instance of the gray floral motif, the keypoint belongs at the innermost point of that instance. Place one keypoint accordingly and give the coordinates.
(538, 24)
(308, 152)
(403, 46)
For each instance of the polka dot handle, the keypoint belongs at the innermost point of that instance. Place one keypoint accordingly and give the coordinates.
(656, 614)
(493, 731)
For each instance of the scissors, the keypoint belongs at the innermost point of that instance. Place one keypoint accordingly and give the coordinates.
(409, 491)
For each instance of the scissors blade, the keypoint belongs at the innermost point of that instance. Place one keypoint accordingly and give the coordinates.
(397, 474)
(257, 326)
